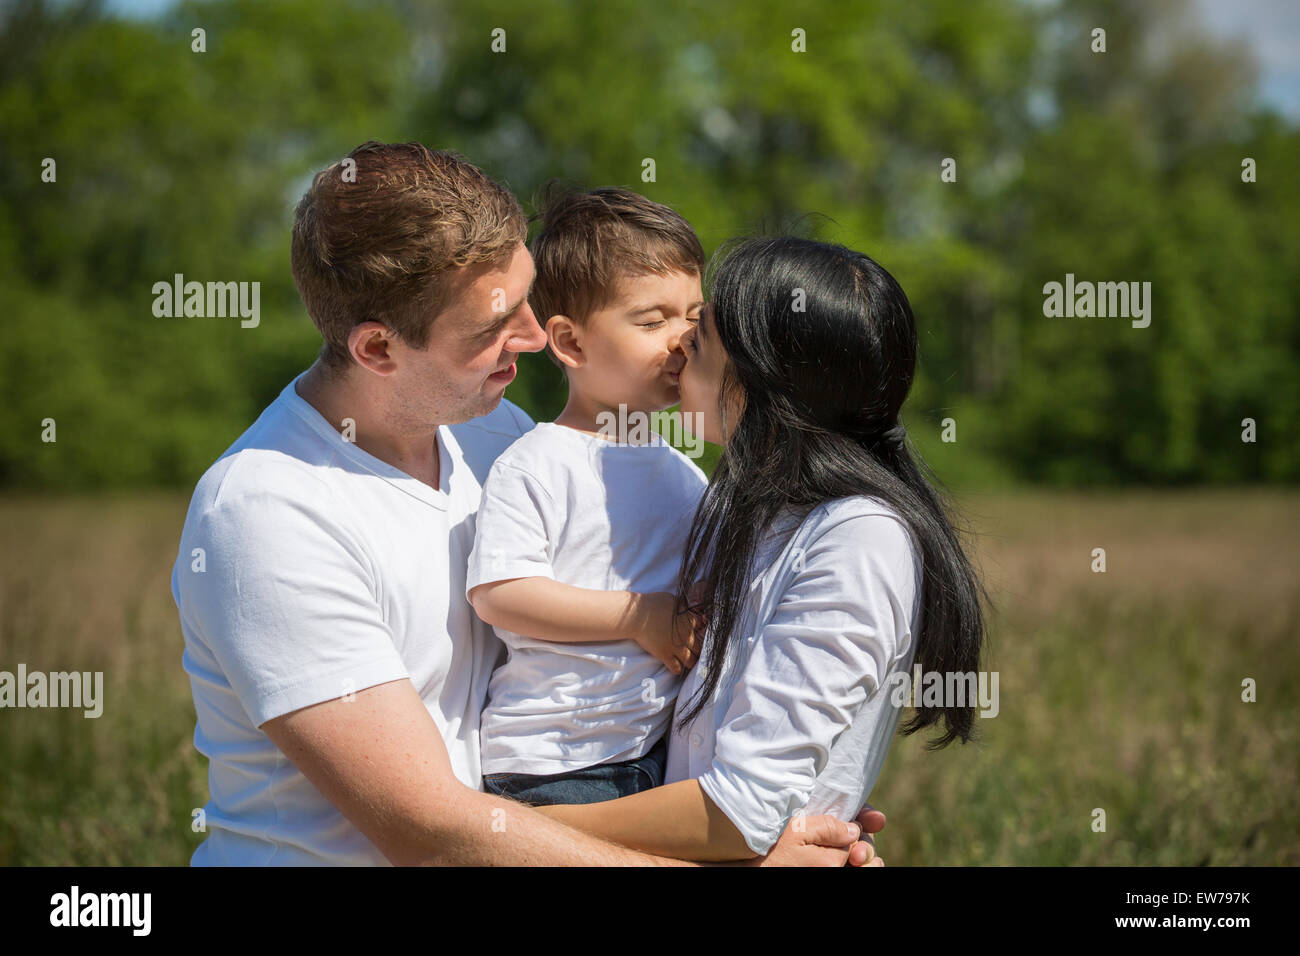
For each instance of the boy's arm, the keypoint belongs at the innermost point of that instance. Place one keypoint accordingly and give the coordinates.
(547, 610)
(510, 580)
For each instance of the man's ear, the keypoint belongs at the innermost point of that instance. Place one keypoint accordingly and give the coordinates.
(371, 345)
(565, 339)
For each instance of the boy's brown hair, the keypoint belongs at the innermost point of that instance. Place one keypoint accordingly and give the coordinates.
(589, 240)
(377, 235)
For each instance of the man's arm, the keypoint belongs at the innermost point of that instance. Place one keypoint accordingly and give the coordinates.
(380, 759)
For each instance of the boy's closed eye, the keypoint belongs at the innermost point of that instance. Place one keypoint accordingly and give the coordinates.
(692, 319)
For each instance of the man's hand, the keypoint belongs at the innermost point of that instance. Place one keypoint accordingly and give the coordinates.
(827, 841)
(675, 639)
(818, 841)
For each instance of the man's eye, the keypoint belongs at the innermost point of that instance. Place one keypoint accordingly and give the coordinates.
(652, 325)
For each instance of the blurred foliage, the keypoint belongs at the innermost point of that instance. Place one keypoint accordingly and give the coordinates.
(1122, 166)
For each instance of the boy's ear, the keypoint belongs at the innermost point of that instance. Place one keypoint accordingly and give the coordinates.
(565, 339)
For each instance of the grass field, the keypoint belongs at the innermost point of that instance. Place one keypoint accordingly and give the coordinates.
(1119, 690)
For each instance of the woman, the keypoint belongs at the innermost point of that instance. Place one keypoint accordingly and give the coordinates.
(821, 557)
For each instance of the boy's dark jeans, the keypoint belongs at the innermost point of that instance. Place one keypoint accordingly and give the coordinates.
(606, 781)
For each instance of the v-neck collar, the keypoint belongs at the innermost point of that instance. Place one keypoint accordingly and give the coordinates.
(448, 451)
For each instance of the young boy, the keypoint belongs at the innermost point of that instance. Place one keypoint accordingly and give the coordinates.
(581, 532)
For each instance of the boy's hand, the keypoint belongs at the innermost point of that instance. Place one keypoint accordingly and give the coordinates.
(675, 639)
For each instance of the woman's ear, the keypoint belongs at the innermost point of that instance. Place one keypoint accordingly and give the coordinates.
(565, 339)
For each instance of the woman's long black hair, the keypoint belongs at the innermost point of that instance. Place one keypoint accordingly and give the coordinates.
(821, 344)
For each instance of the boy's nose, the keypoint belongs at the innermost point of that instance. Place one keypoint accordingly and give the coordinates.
(675, 339)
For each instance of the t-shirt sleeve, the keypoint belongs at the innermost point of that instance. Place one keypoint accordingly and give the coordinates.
(511, 538)
(843, 619)
(285, 601)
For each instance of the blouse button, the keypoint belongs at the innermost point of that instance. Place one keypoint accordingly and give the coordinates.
(696, 740)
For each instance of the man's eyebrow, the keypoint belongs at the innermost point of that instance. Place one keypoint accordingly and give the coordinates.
(524, 298)
(503, 317)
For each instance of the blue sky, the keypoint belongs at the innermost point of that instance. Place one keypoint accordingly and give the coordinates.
(1272, 28)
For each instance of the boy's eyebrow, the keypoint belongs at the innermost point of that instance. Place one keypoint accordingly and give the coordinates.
(664, 308)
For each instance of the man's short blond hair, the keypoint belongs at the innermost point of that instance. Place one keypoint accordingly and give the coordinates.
(378, 235)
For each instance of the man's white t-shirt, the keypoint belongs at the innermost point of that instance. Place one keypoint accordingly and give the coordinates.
(309, 569)
(593, 513)
(804, 712)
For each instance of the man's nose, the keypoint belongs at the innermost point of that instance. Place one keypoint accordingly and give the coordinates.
(531, 338)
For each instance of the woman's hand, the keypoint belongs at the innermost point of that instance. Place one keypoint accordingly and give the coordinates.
(864, 853)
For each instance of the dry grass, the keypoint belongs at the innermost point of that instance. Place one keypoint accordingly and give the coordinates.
(1122, 691)
(1119, 691)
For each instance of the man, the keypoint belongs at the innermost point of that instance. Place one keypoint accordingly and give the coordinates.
(338, 671)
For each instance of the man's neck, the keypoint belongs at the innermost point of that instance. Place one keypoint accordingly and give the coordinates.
(359, 415)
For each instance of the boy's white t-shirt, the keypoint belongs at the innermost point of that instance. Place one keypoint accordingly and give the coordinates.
(805, 707)
(597, 514)
(309, 569)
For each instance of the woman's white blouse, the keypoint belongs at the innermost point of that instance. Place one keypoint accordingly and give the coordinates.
(803, 715)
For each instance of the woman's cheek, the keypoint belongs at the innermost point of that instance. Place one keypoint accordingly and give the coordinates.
(696, 408)
(688, 386)
(696, 417)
